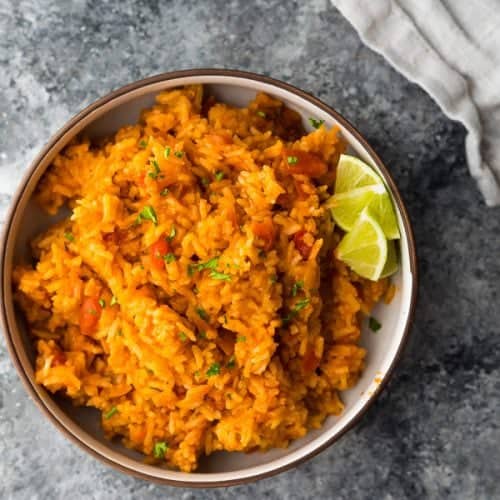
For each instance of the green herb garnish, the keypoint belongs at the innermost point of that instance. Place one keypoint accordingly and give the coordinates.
(274, 279)
(164, 192)
(69, 236)
(113, 301)
(374, 325)
(147, 213)
(102, 303)
(160, 449)
(119, 333)
(241, 338)
(179, 154)
(295, 310)
(205, 181)
(172, 234)
(166, 152)
(202, 313)
(182, 336)
(111, 412)
(261, 114)
(169, 257)
(156, 170)
(219, 176)
(143, 144)
(216, 275)
(315, 122)
(202, 334)
(200, 266)
(298, 285)
(292, 160)
(213, 370)
(231, 362)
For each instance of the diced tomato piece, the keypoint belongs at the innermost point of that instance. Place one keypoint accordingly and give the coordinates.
(158, 251)
(59, 358)
(265, 231)
(302, 162)
(303, 247)
(90, 312)
(310, 361)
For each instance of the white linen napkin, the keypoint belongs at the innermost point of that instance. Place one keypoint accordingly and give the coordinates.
(452, 49)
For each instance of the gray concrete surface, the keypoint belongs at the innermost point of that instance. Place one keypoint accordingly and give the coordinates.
(435, 432)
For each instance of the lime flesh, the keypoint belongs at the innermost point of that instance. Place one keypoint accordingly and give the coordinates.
(352, 173)
(364, 248)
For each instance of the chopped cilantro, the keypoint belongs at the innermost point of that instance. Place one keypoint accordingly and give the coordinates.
(111, 412)
(69, 236)
(202, 313)
(179, 154)
(301, 304)
(241, 338)
(143, 144)
(147, 213)
(182, 336)
(102, 303)
(261, 114)
(172, 234)
(292, 160)
(164, 192)
(156, 170)
(166, 152)
(216, 275)
(315, 122)
(160, 449)
(113, 301)
(274, 279)
(170, 257)
(295, 310)
(119, 333)
(219, 176)
(214, 369)
(231, 362)
(374, 325)
(200, 266)
(298, 285)
(202, 334)
(205, 181)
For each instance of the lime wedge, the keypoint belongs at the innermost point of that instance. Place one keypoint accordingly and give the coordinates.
(381, 208)
(352, 173)
(346, 207)
(391, 264)
(364, 249)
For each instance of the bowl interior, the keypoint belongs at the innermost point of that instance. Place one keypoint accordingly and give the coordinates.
(84, 423)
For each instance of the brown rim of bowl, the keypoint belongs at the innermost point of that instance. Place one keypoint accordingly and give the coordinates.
(12, 345)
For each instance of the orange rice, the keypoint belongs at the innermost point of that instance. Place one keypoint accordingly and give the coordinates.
(193, 296)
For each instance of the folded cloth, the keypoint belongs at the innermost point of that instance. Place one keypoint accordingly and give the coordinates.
(452, 49)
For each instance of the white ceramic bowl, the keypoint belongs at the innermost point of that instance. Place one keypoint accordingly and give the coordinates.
(82, 425)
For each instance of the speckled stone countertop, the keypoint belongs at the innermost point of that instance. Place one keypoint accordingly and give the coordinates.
(434, 433)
